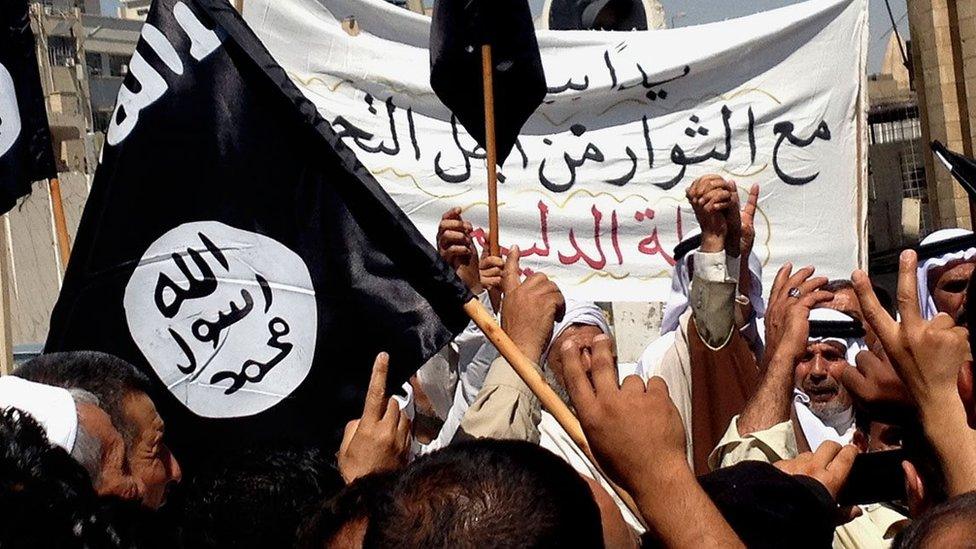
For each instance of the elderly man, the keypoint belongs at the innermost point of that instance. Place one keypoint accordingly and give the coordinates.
(74, 421)
(947, 259)
(800, 404)
(710, 341)
(122, 391)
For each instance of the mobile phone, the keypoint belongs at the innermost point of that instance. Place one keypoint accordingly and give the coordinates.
(875, 477)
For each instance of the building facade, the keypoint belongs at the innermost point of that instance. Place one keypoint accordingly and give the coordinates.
(944, 60)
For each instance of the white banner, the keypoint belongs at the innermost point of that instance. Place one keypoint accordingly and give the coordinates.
(594, 192)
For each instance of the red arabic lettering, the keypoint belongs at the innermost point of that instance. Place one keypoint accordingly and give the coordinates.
(580, 254)
(652, 244)
(614, 238)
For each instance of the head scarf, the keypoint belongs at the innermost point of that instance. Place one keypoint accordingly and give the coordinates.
(966, 251)
(52, 407)
(828, 325)
(578, 312)
(681, 283)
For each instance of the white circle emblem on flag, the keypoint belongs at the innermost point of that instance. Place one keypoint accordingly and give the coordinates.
(9, 112)
(226, 318)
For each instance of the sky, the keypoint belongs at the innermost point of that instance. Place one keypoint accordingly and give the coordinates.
(696, 12)
(684, 13)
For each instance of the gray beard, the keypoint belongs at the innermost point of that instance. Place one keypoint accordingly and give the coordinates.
(835, 416)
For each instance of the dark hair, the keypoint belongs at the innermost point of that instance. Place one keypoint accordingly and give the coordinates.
(355, 502)
(44, 494)
(256, 499)
(107, 377)
(47, 499)
(960, 509)
(487, 492)
(838, 285)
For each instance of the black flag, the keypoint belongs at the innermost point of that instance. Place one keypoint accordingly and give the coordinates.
(458, 30)
(962, 168)
(235, 250)
(25, 139)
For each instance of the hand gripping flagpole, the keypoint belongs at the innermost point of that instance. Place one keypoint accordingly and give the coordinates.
(541, 389)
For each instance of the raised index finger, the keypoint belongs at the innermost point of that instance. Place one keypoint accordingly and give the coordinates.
(511, 277)
(908, 288)
(578, 384)
(375, 404)
(749, 212)
(874, 313)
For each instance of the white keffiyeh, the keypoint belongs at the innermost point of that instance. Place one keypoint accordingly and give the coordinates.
(925, 299)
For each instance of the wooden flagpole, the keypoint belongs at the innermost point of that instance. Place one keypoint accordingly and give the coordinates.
(486, 75)
(492, 163)
(537, 384)
(60, 224)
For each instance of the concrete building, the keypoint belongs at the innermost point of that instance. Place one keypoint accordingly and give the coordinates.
(134, 9)
(82, 58)
(944, 59)
(898, 200)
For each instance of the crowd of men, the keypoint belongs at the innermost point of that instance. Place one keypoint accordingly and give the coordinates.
(742, 425)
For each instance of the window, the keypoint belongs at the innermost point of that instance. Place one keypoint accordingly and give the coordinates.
(62, 51)
(102, 120)
(118, 65)
(913, 181)
(94, 63)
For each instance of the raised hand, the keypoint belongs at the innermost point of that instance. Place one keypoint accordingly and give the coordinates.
(456, 247)
(637, 437)
(876, 386)
(748, 225)
(710, 196)
(790, 291)
(530, 308)
(630, 428)
(927, 354)
(380, 439)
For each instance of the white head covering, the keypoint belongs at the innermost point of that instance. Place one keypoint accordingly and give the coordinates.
(853, 345)
(52, 407)
(925, 300)
(681, 288)
(578, 312)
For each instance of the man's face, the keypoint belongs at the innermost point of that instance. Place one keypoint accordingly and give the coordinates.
(948, 287)
(114, 478)
(149, 459)
(827, 395)
(583, 335)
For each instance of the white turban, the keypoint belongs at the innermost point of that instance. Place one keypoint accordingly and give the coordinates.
(967, 253)
(52, 407)
(681, 287)
(579, 312)
(837, 327)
